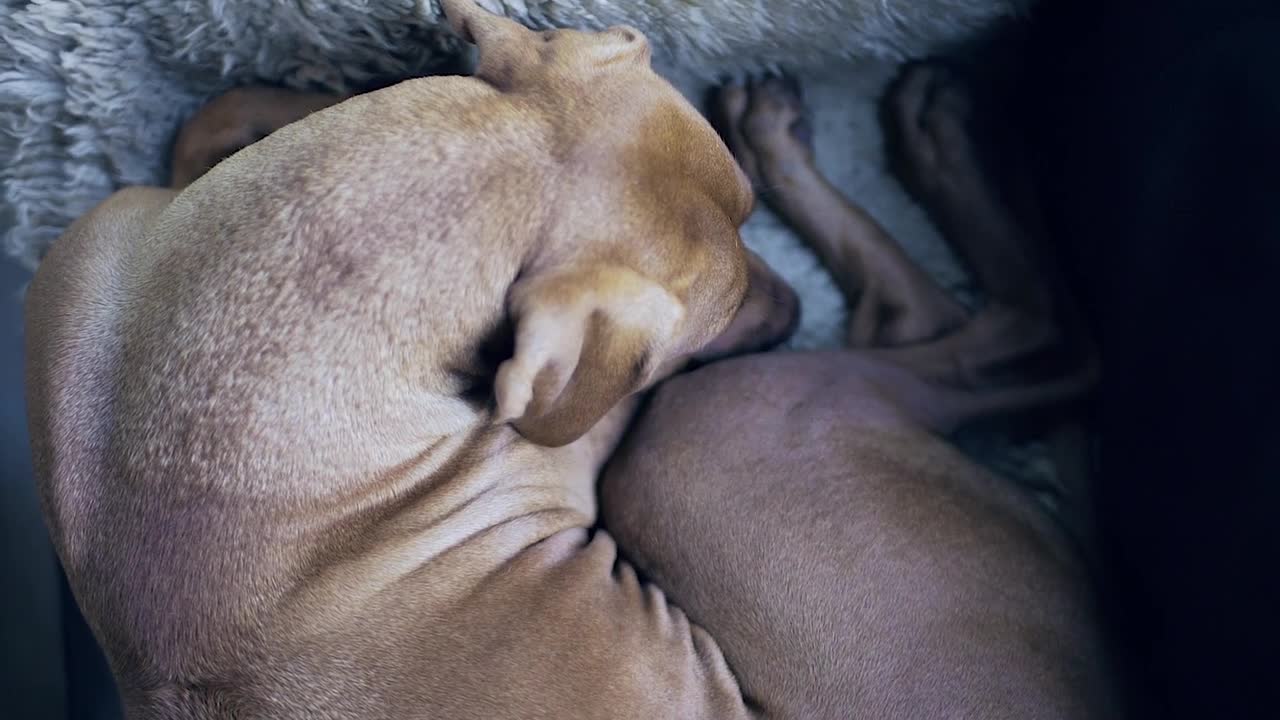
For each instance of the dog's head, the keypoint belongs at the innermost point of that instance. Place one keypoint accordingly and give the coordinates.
(644, 269)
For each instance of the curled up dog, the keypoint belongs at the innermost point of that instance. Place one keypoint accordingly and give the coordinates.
(319, 432)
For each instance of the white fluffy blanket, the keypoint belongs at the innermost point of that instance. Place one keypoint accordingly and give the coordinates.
(92, 91)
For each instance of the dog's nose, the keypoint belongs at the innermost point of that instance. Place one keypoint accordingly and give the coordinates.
(785, 318)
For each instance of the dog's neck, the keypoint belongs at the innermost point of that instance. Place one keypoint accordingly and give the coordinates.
(485, 483)
(488, 489)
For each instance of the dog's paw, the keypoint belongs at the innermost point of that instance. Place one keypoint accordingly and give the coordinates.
(765, 124)
(930, 148)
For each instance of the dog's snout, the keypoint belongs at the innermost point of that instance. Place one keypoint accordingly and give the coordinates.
(786, 315)
(768, 315)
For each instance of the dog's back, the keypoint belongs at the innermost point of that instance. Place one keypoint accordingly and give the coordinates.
(269, 473)
(178, 342)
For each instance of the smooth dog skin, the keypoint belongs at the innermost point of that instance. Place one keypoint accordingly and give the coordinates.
(849, 562)
(318, 435)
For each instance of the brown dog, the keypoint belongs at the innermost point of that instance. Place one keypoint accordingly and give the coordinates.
(261, 406)
(261, 416)
(847, 560)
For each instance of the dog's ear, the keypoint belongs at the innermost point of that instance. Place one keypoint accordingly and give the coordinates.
(585, 339)
(504, 44)
(479, 26)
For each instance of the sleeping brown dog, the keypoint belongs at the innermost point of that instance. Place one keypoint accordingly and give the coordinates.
(806, 508)
(318, 436)
(262, 410)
